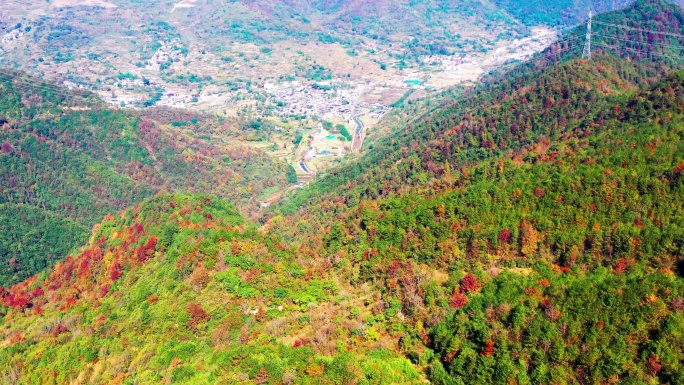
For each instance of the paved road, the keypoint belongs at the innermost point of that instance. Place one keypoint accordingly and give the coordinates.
(356, 140)
(303, 166)
(359, 126)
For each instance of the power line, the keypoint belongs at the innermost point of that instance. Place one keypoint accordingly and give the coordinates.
(567, 38)
(505, 67)
(64, 97)
(27, 89)
(675, 57)
(19, 79)
(25, 85)
(639, 29)
(572, 27)
(560, 51)
(658, 44)
(587, 48)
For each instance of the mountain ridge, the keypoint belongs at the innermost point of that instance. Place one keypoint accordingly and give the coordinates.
(529, 232)
(69, 156)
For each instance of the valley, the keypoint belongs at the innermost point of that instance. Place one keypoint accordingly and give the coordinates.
(342, 192)
(163, 57)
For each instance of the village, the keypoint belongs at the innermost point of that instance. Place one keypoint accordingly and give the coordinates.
(162, 78)
(291, 98)
(322, 99)
(345, 101)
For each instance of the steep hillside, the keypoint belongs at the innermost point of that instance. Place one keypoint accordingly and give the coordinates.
(182, 290)
(526, 246)
(560, 12)
(65, 157)
(646, 31)
(561, 262)
(554, 96)
(534, 198)
(530, 232)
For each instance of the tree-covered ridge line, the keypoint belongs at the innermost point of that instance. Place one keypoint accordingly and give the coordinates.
(649, 31)
(202, 295)
(530, 233)
(563, 221)
(595, 200)
(545, 98)
(69, 156)
(596, 190)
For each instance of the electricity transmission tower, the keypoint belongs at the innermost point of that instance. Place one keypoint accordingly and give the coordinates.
(587, 44)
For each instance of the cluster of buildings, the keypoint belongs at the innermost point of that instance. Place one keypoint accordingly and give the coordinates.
(448, 62)
(320, 99)
(292, 98)
(376, 111)
(168, 98)
(178, 100)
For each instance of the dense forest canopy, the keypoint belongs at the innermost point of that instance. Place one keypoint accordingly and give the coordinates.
(68, 159)
(530, 232)
(541, 99)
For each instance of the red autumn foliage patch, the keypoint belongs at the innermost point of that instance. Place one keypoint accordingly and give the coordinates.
(115, 271)
(489, 349)
(301, 342)
(104, 290)
(458, 299)
(37, 292)
(680, 167)
(621, 265)
(197, 315)
(70, 302)
(59, 329)
(146, 251)
(505, 236)
(469, 283)
(20, 300)
(654, 365)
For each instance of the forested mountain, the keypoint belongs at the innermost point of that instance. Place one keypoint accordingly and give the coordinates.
(181, 289)
(560, 12)
(556, 264)
(645, 31)
(67, 161)
(530, 232)
(547, 98)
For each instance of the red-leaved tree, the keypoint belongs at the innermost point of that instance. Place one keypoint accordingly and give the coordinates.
(469, 283)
